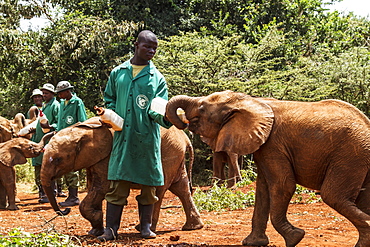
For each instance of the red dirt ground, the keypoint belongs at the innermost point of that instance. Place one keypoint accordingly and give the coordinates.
(324, 227)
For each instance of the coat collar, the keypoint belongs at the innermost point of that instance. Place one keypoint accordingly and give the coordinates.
(127, 65)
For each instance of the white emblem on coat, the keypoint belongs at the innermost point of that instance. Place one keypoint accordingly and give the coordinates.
(69, 120)
(142, 101)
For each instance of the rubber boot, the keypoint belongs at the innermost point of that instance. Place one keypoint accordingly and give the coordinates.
(60, 192)
(146, 213)
(72, 199)
(113, 219)
(41, 191)
(42, 196)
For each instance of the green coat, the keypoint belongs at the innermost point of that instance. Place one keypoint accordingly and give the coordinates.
(136, 153)
(71, 113)
(51, 111)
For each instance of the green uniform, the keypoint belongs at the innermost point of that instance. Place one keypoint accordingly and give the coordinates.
(136, 155)
(71, 113)
(51, 111)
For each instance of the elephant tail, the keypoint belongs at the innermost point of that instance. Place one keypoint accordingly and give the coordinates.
(190, 150)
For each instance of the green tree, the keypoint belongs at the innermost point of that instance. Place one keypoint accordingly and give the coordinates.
(83, 49)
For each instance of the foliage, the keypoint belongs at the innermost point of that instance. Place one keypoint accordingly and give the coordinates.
(221, 198)
(18, 237)
(25, 173)
(83, 49)
(304, 195)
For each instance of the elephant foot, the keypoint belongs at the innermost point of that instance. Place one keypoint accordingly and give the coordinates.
(252, 240)
(12, 207)
(96, 232)
(192, 226)
(294, 237)
(364, 237)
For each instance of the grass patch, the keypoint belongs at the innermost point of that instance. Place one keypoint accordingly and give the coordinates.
(18, 237)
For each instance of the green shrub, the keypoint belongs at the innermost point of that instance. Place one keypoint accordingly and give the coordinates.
(222, 198)
(304, 195)
(25, 173)
(17, 237)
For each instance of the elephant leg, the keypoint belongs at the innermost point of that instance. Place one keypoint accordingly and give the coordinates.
(219, 160)
(281, 191)
(182, 190)
(10, 187)
(343, 197)
(363, 199)
(260, 217)
(160, 191)
(91, 206)
(234, 170)
(3, 198)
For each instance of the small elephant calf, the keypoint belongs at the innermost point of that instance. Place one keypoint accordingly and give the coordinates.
(13, 152)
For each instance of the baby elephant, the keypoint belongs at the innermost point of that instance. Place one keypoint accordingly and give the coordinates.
(13, 152)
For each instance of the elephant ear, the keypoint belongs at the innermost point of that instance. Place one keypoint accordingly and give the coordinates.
(11, 156)
(246, 127)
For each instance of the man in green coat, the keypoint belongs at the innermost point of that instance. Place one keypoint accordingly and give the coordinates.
(135, 157)
(37, 100)
(72, 110)
(50, 108)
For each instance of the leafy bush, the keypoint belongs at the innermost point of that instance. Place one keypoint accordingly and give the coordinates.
(304, 195)
(17, 237)
(219, 198)
(222, 198)
(25, 173)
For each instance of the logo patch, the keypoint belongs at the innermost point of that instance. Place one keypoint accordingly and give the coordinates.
(142, 101)
(69, 120)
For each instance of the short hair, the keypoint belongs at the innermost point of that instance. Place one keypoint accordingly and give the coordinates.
(145, 35)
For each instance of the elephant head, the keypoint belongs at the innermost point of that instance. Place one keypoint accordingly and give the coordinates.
(227, 121)
(16, 150)
(5, 133)
(83, 145)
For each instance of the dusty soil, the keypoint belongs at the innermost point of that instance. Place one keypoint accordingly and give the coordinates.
(323, 226)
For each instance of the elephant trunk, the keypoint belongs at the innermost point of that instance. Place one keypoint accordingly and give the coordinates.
(33, 112)
(46, 138)
(7, 134)
(49, 191)
(179, 101)
(19, 122)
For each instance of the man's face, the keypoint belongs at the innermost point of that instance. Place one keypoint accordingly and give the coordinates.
(47, 95)
(66, 94)
(37, 100)
(146, 49)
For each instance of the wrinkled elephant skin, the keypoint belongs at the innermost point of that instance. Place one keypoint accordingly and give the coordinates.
(13, 152)
(321, 145)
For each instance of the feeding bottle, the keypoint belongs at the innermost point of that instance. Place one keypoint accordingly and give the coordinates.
(159, 105)
(181, 113)
(110, 117)
(27, 129)
(43, 120)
